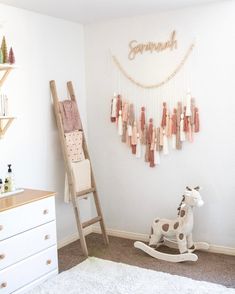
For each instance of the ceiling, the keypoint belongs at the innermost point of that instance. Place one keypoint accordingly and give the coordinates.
(90, 11)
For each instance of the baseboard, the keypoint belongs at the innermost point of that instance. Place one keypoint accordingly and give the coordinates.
(144, 238)
(136, 236)
(73, 237)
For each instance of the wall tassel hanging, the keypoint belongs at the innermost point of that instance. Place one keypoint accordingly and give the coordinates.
(160, 117)
(137, 134)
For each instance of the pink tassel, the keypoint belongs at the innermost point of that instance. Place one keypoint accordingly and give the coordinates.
(165, 143)
(138, 147)
(131, 114)
(142, 118)
(190, 134)
(182, 133)
(164, 111)
(147, 145)
(196, 120)
(125, 111)
(144, 136)
(150, 137)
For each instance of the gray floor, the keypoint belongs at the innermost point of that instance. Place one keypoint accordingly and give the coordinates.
(216, 268)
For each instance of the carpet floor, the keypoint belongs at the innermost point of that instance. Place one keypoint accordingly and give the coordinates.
(215, 268)
(99, 276)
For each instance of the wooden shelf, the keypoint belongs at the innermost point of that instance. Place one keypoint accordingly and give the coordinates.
(6, 66)
(6, 69)
(5, 122)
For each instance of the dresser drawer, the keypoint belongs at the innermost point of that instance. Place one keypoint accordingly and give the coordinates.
(25, 217)
(19, 247)
(28, 270)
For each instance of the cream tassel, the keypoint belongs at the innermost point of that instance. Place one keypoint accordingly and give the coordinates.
(138, 147)
(129, 130)
(114, 109)
(182, 133)
(188, 105)
(165, 143)
(120, 126)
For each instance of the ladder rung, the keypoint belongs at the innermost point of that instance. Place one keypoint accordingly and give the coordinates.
(84, 192)
(91, 221)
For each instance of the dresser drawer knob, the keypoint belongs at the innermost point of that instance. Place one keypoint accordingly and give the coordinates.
(47, 237)
(1, 227)
(4, 285)
(48, 261)
(2, 256)
(45, 211)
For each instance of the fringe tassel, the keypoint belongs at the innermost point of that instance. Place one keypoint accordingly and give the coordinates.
(190, 133)
(185, 121)
(174, 122)
(120, 126)
(161, 137)
(113, 109)
(182, 133)
(134, 138)
(138, 147)
(142, 118)
(196, 121)
(169, 126)
(165, 144)
(179, 111)
(118, 106)
(192, 111)
(164, 111)
(125, 110)
(124, 134)
(158, 146)
(131, 114)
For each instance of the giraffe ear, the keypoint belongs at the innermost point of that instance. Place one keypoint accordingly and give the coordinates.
(189, 189)
(197, 188)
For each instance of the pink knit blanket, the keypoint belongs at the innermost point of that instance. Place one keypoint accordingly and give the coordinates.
(70, 116)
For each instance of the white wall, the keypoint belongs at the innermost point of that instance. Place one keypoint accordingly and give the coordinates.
(132, 194)
(45, 48)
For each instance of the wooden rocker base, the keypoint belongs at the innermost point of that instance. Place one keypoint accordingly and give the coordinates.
(165, 256)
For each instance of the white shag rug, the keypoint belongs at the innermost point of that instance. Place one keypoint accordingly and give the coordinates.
(98, 276)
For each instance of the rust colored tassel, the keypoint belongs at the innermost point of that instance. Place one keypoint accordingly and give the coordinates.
(185, 128)
(164, 114)
(174, 122)
(179, 111)
(150, 131)
(196, 120)
(124, 132)
(151, 158)
(142, 118)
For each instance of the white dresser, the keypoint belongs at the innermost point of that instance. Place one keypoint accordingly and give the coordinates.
(28, 249)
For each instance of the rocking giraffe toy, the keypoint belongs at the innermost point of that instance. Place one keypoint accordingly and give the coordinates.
(176, 233)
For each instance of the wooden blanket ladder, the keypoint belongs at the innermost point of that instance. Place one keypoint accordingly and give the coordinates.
(76, 196)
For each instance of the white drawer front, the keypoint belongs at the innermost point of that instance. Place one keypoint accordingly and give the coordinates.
(25, 217)
(28, 270)
(26, 244)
